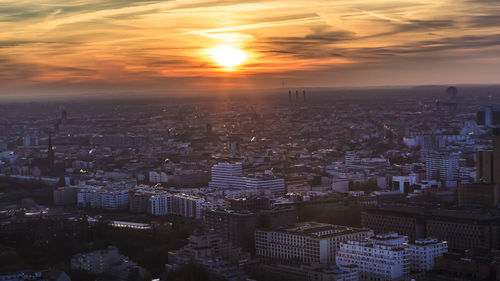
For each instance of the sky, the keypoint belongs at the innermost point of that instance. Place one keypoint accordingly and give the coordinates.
(78, 46)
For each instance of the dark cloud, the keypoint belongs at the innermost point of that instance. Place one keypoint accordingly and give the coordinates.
(432, 48)
(318, 37)
(484, 21)
(315, 44)
(423, 26)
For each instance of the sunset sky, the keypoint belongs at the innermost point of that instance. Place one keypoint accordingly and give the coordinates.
(120, 45)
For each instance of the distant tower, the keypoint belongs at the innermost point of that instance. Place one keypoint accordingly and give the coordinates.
(297, 95)
(289, 95)
(304, 94)
(64, 116)
(209, 129)
(452, 93)
(50, 154)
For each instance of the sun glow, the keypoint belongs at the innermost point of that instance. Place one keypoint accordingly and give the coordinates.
(227, 56)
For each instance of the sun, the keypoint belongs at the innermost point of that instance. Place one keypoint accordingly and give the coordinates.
(227, 56)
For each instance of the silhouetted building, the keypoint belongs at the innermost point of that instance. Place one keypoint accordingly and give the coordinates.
(65, 196)
(479, 195)
(462, 229)
(139, 202)
(50, 155)
(238, 227)
(484, 166)
(209, 129)
(474, 264)
(488, 116)
(248, 203)
(39, 229)
(308, 272)
(488, 162)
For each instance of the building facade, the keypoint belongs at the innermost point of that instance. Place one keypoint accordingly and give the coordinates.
(442, 166)
(176, 204)
(424, 252)
(309, 242)
(230, 175)
(383, 257)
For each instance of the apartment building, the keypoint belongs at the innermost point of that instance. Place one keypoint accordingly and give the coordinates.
(383, 257)
(309, 242)
(424, 252)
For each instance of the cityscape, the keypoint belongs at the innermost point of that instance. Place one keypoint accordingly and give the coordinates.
(249, 140)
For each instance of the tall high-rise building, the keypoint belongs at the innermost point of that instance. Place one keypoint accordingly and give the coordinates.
(496, 156)
(50, 155)
(488, 116)
(488, 162)
(442, 166)
(223, 175)
(484, 166)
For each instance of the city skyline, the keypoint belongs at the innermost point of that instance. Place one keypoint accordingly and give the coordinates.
(56, 47)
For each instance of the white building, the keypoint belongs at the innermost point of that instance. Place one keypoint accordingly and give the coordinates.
(187, 206)
(227, 175)
(102, 197)
(160, 204)
(107, 261)
(442, 166)
(351, 157)
(224, 174)
(309, 242)
(424, 252)
(114, 199)
(467, 174)
(266, 183)
(403, 183)
(176, 204)
(29, 140)
(84, 195)
(383, 257)
(96, 262)
(158, 177)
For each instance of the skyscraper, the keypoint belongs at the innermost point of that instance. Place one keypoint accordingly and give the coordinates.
(488, 162)
(442, 166)
(50, 155)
